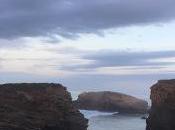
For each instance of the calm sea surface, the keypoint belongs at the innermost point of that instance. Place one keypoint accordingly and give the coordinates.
(110, 121)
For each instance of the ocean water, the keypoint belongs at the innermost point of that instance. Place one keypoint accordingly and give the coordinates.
(114, 121)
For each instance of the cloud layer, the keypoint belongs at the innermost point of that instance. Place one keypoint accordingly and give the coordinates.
(109, 58)
(67, 18)
(63, 61)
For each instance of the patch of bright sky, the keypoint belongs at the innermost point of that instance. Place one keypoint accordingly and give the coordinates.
(37, 59)
(135, 38)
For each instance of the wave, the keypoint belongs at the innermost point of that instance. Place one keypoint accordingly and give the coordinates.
(89, 114)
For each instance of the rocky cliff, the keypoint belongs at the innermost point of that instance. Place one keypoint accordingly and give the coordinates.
(111, 102)
(38, 107)
(162, 113)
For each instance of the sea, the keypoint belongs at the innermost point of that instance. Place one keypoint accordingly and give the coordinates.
(114, 121)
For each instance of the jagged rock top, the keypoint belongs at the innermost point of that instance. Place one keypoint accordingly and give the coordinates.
(163, 93)
(38, 106)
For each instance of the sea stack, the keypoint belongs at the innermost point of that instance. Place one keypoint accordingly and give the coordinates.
(162, 113)
(111, 102)
(38, 107)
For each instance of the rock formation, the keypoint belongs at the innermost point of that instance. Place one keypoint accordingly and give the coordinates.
(38, 107)
(110, 102)
(162, 113)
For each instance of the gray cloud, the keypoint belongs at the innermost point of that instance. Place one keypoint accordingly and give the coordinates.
(122, 59)
(67, 18)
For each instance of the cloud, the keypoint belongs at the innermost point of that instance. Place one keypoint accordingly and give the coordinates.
(109, 58)
(68, 61)
(40, 60)
(67, 18)
(110, 62)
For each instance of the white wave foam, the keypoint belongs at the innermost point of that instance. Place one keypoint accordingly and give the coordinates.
(88, 114)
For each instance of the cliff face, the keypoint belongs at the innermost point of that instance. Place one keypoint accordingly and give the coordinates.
(162, 113)
(110, 102)
(38, 107)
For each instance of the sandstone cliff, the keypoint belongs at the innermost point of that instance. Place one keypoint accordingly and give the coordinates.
(110, 102)
(162, 113)
(38, 107)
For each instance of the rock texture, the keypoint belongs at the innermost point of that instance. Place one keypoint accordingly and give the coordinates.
(38, 107)
(110, 102)
(162, 113)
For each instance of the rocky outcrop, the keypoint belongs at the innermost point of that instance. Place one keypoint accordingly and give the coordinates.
(162, 113)
(110, 102)
(38, 107)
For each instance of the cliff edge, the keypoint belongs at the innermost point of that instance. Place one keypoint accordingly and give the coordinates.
(38, 107)
(162, 113)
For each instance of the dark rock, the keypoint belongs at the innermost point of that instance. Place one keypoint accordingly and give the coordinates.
(38, 107)
(162, 112)
(110, 102)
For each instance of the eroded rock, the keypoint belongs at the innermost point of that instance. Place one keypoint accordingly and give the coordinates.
(162, 112)
(111, 102)
(38, 107)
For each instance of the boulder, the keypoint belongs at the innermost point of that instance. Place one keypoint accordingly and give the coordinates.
(38, 107)
(162, 112)
(110, 102)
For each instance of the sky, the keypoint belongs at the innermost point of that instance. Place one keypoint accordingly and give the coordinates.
(94, 45)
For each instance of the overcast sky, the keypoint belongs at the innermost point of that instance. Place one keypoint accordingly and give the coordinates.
(119, 45)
